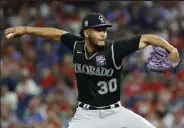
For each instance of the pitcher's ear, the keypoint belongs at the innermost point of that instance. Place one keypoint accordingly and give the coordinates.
(86, 33)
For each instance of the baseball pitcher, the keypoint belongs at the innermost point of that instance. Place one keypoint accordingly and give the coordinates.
(98, 65)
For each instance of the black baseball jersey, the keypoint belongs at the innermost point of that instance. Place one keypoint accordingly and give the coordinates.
(98, 73)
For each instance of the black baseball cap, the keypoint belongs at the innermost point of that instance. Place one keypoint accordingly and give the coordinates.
(94, 20)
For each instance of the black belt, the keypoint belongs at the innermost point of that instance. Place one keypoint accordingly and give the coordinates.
(89, 107)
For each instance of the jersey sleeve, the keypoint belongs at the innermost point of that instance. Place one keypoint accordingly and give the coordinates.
(122, 48)
(69, 40)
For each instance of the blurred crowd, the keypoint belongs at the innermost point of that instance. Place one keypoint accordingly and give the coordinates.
(38, 85)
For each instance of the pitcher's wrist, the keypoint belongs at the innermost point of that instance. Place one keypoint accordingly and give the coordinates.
(26, 30)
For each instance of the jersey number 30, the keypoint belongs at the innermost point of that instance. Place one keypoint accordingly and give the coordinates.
(106, 87)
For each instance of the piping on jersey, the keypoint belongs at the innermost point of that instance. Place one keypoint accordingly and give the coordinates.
(74, 46)
(117, 67)
(86, 54)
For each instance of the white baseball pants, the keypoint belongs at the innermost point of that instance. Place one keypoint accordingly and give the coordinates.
(119, 117)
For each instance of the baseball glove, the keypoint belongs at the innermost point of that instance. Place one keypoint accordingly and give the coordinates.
(158, 61)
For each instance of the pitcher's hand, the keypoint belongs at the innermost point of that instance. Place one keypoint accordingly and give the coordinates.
(15, 32)
(161, 60)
